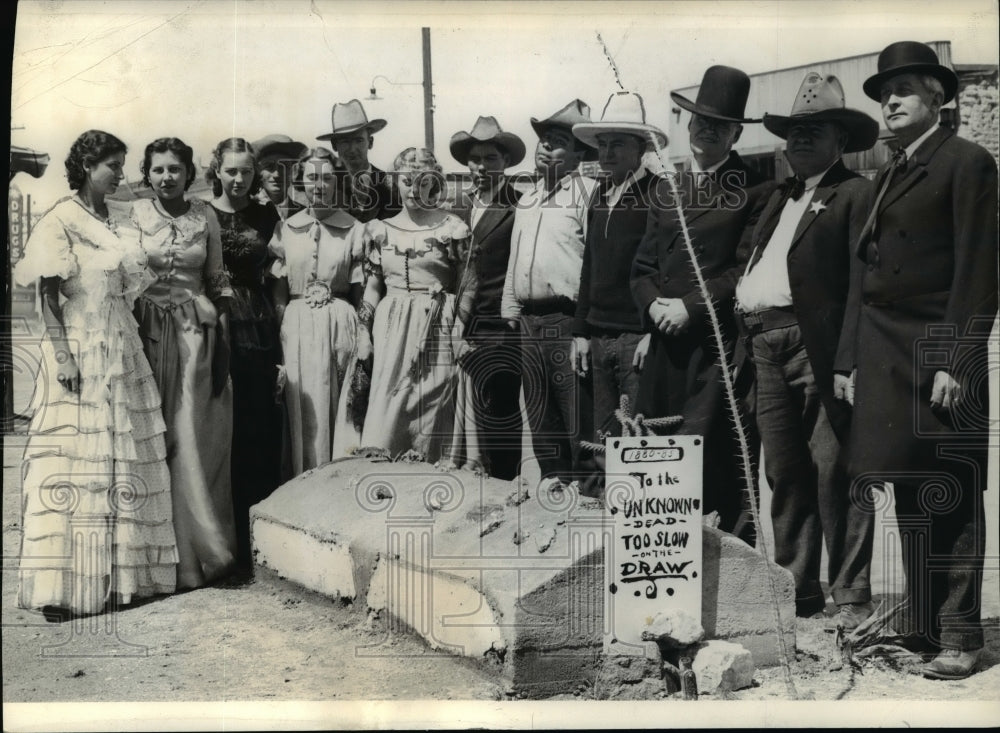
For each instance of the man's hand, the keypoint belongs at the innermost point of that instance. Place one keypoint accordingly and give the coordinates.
(843, 386)
(639, 358)
(946, 392)
(670, 316)
(579, 355)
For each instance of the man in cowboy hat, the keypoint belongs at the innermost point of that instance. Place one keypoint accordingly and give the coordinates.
(925, 304)
(540, 292)
(791, 301)
(276, 157)
(373, 195)
(682, 375)
(608, 332)
(491, 374)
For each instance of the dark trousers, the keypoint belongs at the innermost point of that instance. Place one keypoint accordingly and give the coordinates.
(559, 406)
(943, 535)
(805, 468)
(495, 370)
(613, 375)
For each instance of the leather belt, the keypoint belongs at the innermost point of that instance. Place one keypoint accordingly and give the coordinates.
(767, 319)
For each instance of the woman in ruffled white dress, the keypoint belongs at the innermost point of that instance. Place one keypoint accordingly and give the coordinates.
(183, 322)
(418, 257)
(97, 520)
(318, 265)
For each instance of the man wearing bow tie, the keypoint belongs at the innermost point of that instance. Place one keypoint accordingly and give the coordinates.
(925, 306)
(792, 301)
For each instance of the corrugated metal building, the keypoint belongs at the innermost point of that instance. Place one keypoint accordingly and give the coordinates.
(773, 92)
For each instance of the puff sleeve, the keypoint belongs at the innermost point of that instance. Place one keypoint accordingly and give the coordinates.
(48, 252)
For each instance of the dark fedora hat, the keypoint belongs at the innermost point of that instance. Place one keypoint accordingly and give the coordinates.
(574, 113)
(821, 99)
(910, 57)
(722, 95)
(486, 130)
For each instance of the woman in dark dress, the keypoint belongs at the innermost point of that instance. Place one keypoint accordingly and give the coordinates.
(246, 228)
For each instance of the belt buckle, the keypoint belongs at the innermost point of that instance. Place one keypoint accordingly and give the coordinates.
(753, 322)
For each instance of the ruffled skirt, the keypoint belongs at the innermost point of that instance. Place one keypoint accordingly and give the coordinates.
(97, 517)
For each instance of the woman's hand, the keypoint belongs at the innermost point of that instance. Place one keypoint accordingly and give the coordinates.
(364, 344)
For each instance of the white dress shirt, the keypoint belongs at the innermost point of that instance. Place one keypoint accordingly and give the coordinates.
(546, 244)
(766, 285)
(912, 147)
(482, 201)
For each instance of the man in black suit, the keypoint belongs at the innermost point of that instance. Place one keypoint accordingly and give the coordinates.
(721, 197)
(925, 305)
(373, 193)
(792, 301)
(488, 423)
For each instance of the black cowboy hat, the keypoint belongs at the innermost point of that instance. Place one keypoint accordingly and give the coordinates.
(722, 95)
(910, 57)
(486, 130)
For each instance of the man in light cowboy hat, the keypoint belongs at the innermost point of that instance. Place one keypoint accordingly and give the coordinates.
(682, 374)
(276, 158)
(490, 383)
(925, 306)
(608, 332)
(540, 292)
(373, 195)
(791, 302)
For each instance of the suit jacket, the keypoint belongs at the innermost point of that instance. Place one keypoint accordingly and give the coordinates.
(925, 301)
(491, 250)
(820, 262)
(374, 198)
(716, 218)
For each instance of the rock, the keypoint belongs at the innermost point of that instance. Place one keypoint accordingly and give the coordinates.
(676, 628)
(722, 665)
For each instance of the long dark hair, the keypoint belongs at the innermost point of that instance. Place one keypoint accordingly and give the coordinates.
(90, 148)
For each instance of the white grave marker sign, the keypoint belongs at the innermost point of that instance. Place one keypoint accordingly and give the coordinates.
(654, 497)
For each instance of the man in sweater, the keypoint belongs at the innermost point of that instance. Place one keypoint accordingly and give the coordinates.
(609, 339)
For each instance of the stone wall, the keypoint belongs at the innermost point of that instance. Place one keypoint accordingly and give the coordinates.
(978, 99)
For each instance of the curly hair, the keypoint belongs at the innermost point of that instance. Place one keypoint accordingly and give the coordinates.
(343, 178)
(231, 145)
(88, 150)
(173, 145)
(421, 161)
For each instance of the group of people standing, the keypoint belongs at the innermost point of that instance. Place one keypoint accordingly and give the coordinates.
(318, 306)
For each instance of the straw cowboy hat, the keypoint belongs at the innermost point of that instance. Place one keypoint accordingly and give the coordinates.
(821, 99)
(624, 113)
(722, 95)
(486, 130)
(348, 118)
(910, 57)
(278, 145)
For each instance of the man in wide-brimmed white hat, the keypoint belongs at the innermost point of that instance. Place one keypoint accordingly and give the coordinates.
(792, 300)
(609, 339)
(489, 429)
(373, 196)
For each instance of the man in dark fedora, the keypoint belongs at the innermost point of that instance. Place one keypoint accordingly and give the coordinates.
(792, 301)
(488, 414)
(539, 297)
(276, 158)
(373, 195)
(610, 342)
(721, 198)
(925, 304)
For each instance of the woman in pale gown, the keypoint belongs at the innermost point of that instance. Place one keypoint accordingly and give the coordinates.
(97, 520)
(318, 266)
(183, 322)
(418, 256)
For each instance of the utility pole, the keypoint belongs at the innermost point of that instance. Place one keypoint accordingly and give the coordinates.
(428, 90)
